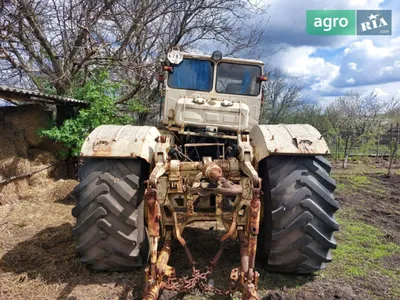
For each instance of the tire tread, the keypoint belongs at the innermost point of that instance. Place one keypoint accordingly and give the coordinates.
(299, 214)
(110, 230)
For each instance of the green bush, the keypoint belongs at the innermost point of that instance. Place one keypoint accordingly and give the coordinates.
(101, 93)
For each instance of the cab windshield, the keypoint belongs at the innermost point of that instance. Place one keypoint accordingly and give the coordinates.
(192, 74)
(238, 79)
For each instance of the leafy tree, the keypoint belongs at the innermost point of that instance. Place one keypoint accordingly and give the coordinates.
(393, 146)
(394, 111)
(54, 45)
(282, 97)
(356, 121)
(101, 93)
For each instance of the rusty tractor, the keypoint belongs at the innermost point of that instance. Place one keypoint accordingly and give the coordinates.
(140, 186)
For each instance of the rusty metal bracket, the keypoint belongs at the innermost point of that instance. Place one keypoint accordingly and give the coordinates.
(158, 171)
(158, 270)
(246, 158)
(249, 170)
(153, 278)
(245, 278)
(245, 148)
(161, 149)
(182, 241)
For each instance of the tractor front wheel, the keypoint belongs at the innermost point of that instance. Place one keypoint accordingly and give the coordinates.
(298, 213)
(109, 214)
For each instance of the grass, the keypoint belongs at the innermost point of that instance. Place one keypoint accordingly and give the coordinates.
(360, 183)
(362, 252)
(351, 183)
(361, 247)
(37, 252)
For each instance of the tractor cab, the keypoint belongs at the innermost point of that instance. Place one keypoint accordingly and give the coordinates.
(211, 93)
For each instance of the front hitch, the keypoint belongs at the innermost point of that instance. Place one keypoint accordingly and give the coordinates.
(244, 222)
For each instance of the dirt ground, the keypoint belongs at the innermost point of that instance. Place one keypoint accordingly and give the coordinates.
(38, 261)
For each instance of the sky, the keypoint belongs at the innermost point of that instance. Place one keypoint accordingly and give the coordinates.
(330, 66)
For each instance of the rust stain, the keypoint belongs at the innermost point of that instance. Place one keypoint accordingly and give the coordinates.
(154, 214)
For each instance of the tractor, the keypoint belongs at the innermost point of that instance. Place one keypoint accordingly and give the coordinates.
(208, 160)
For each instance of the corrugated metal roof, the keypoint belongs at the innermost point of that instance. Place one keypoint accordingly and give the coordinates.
(17, 94)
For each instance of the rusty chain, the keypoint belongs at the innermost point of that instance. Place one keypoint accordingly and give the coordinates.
(196, 280)
(199, 279)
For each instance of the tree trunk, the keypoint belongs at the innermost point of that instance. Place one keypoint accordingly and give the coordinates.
(394, 149)
(397, 143)
(142, 118)
(377, 143)
(337, 148)
(346, 155)
(345, 159)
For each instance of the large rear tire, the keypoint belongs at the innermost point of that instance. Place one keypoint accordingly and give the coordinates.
(298, 213)
(109, 214)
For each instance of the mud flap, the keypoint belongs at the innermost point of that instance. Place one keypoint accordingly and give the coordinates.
(293, 139)
(127, 141)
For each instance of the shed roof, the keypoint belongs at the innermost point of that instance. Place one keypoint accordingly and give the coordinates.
(23, 95)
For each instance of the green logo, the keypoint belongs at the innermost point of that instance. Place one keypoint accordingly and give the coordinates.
(331, 22)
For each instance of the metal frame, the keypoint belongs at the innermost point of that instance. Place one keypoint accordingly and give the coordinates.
(195, 183)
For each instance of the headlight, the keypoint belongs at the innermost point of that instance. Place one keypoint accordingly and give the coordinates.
(162, 58)
(216, 56)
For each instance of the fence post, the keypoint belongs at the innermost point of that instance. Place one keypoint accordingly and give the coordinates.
(377, 142)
